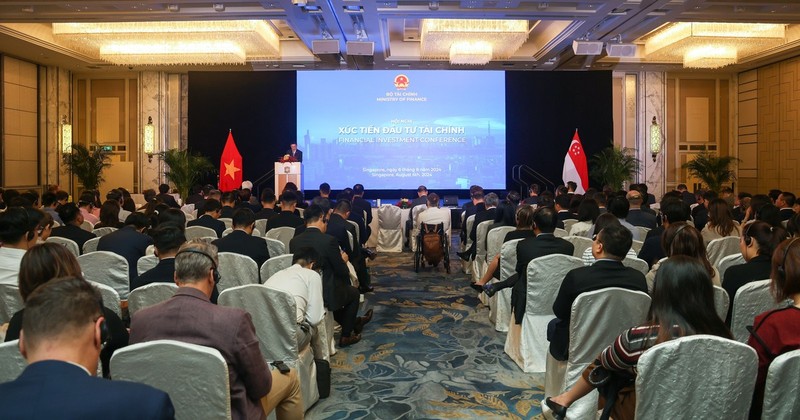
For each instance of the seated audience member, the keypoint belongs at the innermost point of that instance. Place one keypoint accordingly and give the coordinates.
(776, 332)
(524, 222)
(720, 221)
(228, 204)
(291, 186)
(757, 244)
(684, 239)
(194, 319)
(770, 214)
(130, 242)
(700, 212)
(756, 202)
(287, 216)
(127, 201)
(533, 195)
(116, 195)
(636, 215)
(420, 200)
(211, 212)
(741, 203)
(305, 285)
(241, 239)
(588, 211)
(195, 195)
(325, 190)
(17, 234)
(433, 214)
(73, 219)
(167, 239)
(683, 305)
(165, 197)
(773, 195)
(338, 227)
(43, 224)
(64, 335)
(793, 226)
(490, 202)
(173, 217)
(339, 296)
(562, 209)
(86, 204)
(46, 262)
(601, 222)
(245, 198)
(609, 247)
(364, 208)
(109, 215)
(267, 205)
(505, 215)
(49, 205)
(673, 210)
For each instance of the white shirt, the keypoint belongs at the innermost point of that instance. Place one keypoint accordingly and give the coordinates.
(9, 265)
(434, 216)
(306, 287)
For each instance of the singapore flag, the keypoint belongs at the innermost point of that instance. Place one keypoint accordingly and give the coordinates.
(575, 168)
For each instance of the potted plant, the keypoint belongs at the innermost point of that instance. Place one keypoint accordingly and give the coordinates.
(713, 170)
(87, 165)
(184, 169)
(613, 166)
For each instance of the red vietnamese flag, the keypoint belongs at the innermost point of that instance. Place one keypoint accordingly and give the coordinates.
(575, 168)
(230, 166)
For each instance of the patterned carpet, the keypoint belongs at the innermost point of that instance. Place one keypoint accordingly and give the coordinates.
(429, 353)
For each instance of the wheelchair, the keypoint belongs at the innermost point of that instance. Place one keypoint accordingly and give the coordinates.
(442, 246)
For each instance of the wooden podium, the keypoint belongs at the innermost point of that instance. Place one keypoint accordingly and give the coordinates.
(288, 172)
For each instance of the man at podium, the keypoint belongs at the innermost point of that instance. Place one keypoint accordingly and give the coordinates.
(295, 152)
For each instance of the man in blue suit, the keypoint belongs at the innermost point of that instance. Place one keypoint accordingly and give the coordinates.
(62, 333)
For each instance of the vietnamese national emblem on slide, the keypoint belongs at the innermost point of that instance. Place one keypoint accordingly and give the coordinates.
(401, 82)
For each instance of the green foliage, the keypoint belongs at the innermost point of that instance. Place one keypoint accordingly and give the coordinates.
(87, 165)
(613, 166)
(713, 170)
(184, 168)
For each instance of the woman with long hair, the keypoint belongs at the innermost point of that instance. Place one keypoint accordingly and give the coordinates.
(683, 238)
(588, 211)
(524, 219)
(600, 223)
(109, 215)
(682, 305)
(48, 261)
(720, 221)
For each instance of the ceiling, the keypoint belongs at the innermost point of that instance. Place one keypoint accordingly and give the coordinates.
(394, 28)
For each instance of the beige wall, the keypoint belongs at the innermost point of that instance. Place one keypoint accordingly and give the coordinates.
(20, 132)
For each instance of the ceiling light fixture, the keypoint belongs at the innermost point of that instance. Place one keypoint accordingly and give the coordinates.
(469, 53)
(504, 37)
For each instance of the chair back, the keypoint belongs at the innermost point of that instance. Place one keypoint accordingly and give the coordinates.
(261, 226)
(580, 243)
(390, 229)
(275, 247)
(699, 376)
(10, 302)
(187, 208)
(415, 213)
(751, 299)
(168, 365)
(637, 264)
(636, 246)
(71, 245)
(228, 222)
(107, 268)
(721, 302)
(226, 232)
(110, 297)
(358, 230)
(275, 264)
(560, 233)
(480, 238)
(11, 361)
(722, 247)
(146, 263)
(87, 226)
(642, 231)
(236, 270)
(150, 250)
(103, 231)
(545, 275)
(783, 375)
(494, 240)
(149, 295)
(196, 232)
(729, 261)
(350, 239)
(91, 244)
(508, 259)
(301, 212)
(568, 224)
(470, 224)
(283, 234)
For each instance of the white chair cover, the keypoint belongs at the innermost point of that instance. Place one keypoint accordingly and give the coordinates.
(149, 295)
(728, 262)
(275, 264)
(110, 297)
(467, 267)
(302, 212)
(187, 208)
(71, 245)
(236, 270)
(11, 361)
(597, 318)
(146, 263)
(283, 234)
(87, 226)
(636, 246)
(257, 233)
(91, 244)
(261, 226)
(10, 302)
(494, 241)
(780, 396)
(103, 231)
(642, 231)
(323, 341)
(358, 229)
(275, 317)
(751, 299)
(545, 275)
(275, 247)
(636, 263)
(461, 245)
(150, 250)
(174, 367)
(228, 222)
(390, 229)
(696, 377)
(560, 233)
(580, 243)
(722, 247)
(226, 232)
(107, 268)
(500, 303)
(350, 239)
(568, 224)
(479, 264)
(721, 302)
(196, 232)
(190, 216)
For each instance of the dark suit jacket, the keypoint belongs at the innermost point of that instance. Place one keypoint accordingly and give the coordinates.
(227, 212)
(163, 272)
(338, 228)
(168, 200)
(651, 250)
(52, 389)
(528, 249)
(335, 275)
(481, 216)
(209, 222)
(285, 218)
(735, 277)
(297, 155)
(195, 199)
(193, 319)
(786, 214)
(688, 198)
(240, 242)
(700, 216)
(531, 200)
(363, 206)
(128, 243)
(75, 233)
(265, 213)
(600, 275)
(641, 218)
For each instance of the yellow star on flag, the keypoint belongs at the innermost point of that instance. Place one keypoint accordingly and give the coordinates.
(231, 169)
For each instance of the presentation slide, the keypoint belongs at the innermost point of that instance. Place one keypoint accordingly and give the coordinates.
(402, 129)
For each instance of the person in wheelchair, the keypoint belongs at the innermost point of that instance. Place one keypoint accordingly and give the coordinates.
(427, 222)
